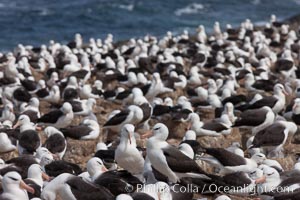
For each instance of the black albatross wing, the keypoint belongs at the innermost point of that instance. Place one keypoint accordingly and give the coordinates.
(22, 95)
(70, 94)
(80, 74)
(161, 109)
(76, 132)
(117, 181)
(253, 117)
(83, 190)
(33, 115)
(118, 118)
(106, 155)
(55, 143)
(141, 196)
(51, 117)
(237, 179)
(29, 85)
(266, 101)
(196, 146)
(266, 85)
(42, 93)
(296, 118)
(147, 111)
(20, 164)
(58, 167)
(214, 126)
(270, 136)
(76, 105)
(179, 162)
(226, 158)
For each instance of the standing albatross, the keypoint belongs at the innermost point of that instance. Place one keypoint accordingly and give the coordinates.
(169, 160)
(127, 155)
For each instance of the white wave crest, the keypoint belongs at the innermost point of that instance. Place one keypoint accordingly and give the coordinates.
(44, 12)
(129, 7)
(193, 8)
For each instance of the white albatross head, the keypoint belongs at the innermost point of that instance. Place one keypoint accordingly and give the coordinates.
(127, 133)
(13, 186)
(159, 131)
(95, 167)
(66, 108)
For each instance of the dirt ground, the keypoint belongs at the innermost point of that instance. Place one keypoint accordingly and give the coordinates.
(80, 152)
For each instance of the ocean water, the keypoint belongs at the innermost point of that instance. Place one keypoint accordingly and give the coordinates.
(35, 22)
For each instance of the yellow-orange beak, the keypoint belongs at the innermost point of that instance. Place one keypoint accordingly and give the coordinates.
(295, 106)
(45, 176)
(16, 125)
(26, 187)
(39, 128)
(129, 138)
(104, 169)
(147, 134)
(189, 126)
(159, 195)
(285, 92)
(260, 180)
(55, 156)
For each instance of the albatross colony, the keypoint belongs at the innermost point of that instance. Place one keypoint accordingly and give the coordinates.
(208, 116)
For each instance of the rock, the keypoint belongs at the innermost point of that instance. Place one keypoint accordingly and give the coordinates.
(80, 151)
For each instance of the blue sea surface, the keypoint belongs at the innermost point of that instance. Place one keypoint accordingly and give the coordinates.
(35, 22)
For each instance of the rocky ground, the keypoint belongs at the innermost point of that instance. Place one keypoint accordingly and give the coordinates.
(80, 152)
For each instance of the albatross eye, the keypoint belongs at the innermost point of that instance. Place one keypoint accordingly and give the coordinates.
(99, 163)
(157, 128)
(13, 178)
(270, 174)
